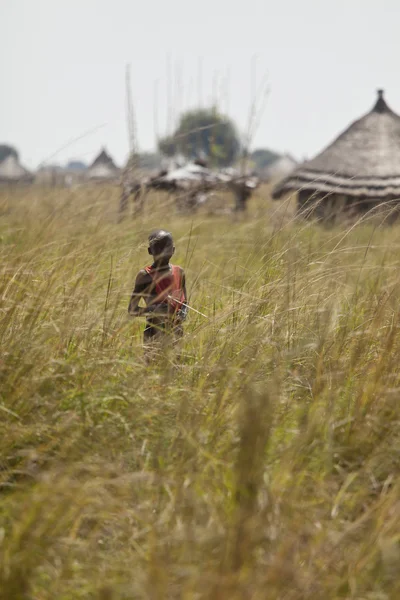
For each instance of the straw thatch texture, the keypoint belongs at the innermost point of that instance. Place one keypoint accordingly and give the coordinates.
(11, 171)
(363, 161)
(103, 168)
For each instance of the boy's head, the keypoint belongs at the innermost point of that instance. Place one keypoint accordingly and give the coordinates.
(161, 244)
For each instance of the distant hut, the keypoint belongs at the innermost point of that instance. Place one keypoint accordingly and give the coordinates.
(50, 175)
(12, 172)
(360, 169)
(103, 169)
(279, 168)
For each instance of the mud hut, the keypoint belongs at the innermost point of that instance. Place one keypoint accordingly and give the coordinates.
(359, 170)
(12, 172)
(103, 169)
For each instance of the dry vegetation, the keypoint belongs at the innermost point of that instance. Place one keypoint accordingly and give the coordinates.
(264, 464)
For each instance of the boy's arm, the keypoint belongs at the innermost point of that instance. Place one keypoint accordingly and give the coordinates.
(184, 285)
(184, 309)
(141, 285)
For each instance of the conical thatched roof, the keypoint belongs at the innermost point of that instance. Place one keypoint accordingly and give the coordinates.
(11, 171)
(103, 168)
(363, 161)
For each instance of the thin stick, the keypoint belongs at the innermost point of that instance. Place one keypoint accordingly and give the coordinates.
(72, 141)
(194, 309)
(155, 111)
(148, 310)
(199, 82)
(130, 113)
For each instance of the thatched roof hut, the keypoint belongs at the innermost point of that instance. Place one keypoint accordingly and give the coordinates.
(11, 171)
(362, 164)
(103, 168)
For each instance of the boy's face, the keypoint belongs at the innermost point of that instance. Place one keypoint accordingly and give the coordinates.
(162, 249)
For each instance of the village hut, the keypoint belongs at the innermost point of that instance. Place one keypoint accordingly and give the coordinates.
(12, 172)
(50, 175)
(359, 170)
(279, 168)
(103, 169)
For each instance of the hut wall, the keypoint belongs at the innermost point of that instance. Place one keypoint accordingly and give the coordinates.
(328, 206)
(309, 203)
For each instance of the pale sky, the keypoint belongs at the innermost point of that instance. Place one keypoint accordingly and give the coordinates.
(62, 69)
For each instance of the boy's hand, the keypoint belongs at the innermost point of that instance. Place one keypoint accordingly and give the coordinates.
(181, 314)
(140, 311)
(160, 309)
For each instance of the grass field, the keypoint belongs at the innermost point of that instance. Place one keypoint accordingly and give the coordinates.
(262, 465)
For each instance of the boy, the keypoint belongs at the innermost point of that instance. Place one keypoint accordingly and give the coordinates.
(163, 288)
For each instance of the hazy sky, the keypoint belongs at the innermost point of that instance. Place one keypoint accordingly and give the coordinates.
(62, 68)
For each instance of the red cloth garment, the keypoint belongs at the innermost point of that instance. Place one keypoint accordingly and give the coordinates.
(168, 287)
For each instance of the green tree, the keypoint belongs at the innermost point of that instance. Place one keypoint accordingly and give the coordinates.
(263, 157)
(203, 132)
(149, 161)
(6, 150)
(168, 146)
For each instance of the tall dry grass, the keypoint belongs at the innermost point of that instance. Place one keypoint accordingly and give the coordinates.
(262, 464)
